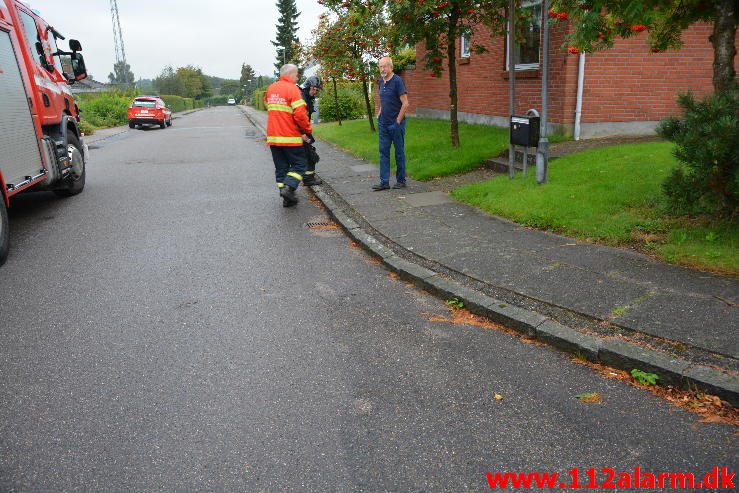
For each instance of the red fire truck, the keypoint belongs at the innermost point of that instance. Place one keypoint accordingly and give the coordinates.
(40, 141)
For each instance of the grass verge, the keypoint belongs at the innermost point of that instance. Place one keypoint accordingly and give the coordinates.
(612, 195)
(428, 148)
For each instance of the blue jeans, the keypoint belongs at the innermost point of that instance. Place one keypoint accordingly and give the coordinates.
(392, 133)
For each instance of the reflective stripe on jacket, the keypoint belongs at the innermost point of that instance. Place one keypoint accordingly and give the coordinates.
(287, 114)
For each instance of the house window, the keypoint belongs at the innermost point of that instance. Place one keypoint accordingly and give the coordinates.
(527, 43)
(464, 46)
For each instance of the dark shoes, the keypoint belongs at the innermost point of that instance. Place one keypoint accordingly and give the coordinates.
(399, 185)
(289, 198)
(381, 186)
(311, 180)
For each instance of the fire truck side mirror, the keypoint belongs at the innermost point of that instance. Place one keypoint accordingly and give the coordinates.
(78, 66)
(75, 45)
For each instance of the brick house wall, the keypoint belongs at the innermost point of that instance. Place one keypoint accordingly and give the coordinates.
(626, 90)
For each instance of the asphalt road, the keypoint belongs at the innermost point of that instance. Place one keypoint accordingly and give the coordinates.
(174, 328)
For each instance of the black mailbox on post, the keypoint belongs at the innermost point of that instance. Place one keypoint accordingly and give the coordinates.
(525, 130)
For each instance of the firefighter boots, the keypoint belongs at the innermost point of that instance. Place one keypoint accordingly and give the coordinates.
(289, 198)
(311, 180)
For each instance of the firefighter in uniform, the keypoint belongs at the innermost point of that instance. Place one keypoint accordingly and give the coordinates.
(288, 128)
(310, 87)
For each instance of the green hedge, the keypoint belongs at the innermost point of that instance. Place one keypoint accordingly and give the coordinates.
(110, 109)
(348, 106)
(178, 103)
(104, 109)
(257, 98)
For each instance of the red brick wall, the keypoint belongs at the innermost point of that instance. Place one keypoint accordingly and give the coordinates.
(624, 84)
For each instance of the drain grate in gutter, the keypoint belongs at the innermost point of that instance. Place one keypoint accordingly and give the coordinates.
(321, 225)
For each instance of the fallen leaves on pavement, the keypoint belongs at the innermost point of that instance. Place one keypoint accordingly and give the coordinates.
(591, 398)
(710, 407)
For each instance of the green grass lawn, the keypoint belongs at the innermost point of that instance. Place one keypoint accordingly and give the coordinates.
(428, 149)
(611, 195)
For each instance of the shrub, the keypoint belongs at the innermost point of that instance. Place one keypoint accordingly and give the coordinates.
(707, 146)
(349, 105)
(86, 127)
(404, 59)
(257, 98)
(107, 109)
(176, 103)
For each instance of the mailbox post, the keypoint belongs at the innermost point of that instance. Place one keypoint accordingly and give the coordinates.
(524, 131)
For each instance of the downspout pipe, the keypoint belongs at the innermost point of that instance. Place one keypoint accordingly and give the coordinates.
(580, 84)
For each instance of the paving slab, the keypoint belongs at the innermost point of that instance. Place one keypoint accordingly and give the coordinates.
(424, 199)
(691, 320)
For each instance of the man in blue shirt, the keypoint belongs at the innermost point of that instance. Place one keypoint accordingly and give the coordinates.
(391, 125)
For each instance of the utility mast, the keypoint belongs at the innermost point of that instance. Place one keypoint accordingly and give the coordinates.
(120, 51)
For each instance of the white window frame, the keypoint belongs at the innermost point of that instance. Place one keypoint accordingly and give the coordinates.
(522, 66)
(464, 46)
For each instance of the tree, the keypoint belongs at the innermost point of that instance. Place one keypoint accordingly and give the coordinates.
(248, 79)
(122, 74)
(596, 23)
(188, 82)
(349, 46)
(286, 41)
(167, 82)
(232, 87)
(194, 84)
(438, 24)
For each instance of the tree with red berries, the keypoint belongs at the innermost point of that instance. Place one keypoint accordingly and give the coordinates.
(349, 41)
(436, 23)
(597, 23)
(439, 24)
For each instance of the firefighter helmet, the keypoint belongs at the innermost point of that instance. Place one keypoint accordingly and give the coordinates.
(313, 81)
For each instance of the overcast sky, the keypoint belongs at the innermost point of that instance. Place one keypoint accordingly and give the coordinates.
(215, 35)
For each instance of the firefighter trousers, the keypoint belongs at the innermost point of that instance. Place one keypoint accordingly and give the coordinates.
(290, 164)
(311, 157)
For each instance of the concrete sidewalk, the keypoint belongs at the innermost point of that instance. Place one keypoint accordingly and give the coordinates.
(610, 305)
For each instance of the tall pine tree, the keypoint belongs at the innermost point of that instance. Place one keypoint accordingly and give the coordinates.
(287, 41)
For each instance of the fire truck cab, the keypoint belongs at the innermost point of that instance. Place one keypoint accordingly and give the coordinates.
(41, 144)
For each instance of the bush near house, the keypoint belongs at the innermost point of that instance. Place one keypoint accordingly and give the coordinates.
(349, 105)
(707, 146)
(104, 109)
(257, 99)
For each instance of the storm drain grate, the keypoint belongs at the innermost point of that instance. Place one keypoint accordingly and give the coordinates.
(321, 225)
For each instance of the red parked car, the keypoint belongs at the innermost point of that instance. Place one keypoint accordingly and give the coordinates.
(149, 110)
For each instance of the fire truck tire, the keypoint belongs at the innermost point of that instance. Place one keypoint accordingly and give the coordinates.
(4, 232)
(75, 183)
(131, 125)
(163, 123)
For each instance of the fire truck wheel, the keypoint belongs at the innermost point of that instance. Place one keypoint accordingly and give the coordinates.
(4, 232)
(163, 123)
(131, 125)
(75, 182)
